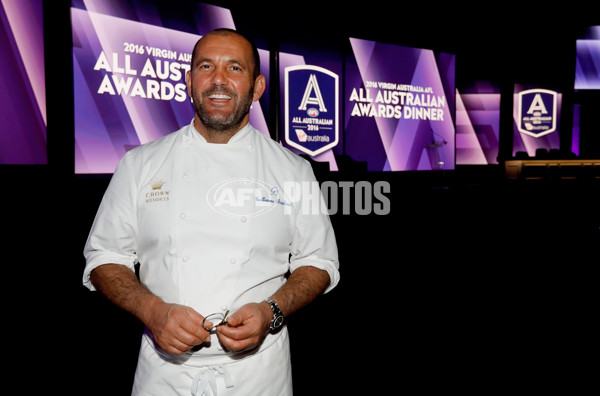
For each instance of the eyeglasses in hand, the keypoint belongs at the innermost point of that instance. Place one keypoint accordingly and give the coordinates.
(212, 321)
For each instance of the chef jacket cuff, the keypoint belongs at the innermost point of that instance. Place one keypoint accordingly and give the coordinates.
(331, 267)
(127, 261)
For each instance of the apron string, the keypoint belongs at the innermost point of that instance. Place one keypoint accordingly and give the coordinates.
(205, 380)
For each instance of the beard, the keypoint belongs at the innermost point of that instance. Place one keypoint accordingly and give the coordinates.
(223, 122)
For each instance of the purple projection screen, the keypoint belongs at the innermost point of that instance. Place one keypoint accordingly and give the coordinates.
(400, 107)
(129, 82)
(478, 125)
(22, 83)
(587, 62)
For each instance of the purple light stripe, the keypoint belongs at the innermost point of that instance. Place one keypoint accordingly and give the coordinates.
(26, 21)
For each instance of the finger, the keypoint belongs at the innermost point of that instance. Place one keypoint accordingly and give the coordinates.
(192, 339)
(235, 320)
(238, 332)
(243, 315)
(192, 324)
(181, 347)
(233, 344)
(175, 346)
(208, 326)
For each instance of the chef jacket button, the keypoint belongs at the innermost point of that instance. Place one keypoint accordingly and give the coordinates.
(243, 219)
(250, 147)
(185, 258)
(186, 176)
(224, 308)
(232, 260)
(183, 216)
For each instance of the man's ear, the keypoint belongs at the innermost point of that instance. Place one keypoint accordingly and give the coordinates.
(259, 87)
(188, 83)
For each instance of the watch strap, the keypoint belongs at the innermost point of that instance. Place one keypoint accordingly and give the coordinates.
(278, 317)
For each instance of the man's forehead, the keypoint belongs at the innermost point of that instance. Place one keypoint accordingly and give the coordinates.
(224, 43)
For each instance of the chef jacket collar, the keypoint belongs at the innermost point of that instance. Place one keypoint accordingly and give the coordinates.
(194, 136)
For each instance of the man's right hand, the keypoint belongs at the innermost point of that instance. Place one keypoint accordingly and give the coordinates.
(176, 328)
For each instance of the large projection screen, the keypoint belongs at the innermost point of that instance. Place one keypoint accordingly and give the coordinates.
(400, 107)
(22, 83)
(129, 79)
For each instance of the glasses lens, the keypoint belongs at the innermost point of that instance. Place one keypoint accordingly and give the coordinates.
(213, 320)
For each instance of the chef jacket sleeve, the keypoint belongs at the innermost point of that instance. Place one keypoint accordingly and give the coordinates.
(112, 239)
(314, 242)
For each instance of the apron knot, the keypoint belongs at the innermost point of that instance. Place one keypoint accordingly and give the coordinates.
(205, 380)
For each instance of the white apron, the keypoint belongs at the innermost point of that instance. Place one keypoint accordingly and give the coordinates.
(266, 373)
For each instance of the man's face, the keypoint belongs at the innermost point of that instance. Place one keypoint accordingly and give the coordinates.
(221, 82)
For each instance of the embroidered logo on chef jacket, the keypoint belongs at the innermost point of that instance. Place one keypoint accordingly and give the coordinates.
(245, 197)
(156, 192)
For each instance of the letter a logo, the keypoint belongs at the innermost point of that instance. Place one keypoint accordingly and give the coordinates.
(537, 104)
(311, 86)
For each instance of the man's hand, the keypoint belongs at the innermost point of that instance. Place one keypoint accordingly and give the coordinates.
(246, 328)
(176, 328)
(250, 324)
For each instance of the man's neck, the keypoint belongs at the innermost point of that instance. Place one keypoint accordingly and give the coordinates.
(217, 137)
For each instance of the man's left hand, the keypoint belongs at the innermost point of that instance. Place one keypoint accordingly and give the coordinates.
(246, 328)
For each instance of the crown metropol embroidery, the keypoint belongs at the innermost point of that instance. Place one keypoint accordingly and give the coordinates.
(157, 194)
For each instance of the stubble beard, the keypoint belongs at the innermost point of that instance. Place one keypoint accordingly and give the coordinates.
(223, 123)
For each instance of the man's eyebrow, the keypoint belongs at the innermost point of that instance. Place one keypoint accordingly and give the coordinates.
(209, 60)
(235, 61)
(202, 60)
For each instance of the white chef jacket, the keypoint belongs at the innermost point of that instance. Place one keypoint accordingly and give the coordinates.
(211, 225)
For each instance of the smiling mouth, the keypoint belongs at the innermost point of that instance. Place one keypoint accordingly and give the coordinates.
(219, 96)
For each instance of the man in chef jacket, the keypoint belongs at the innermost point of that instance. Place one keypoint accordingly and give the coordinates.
(215, 216)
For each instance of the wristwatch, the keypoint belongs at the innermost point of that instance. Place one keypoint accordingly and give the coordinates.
(278, 317)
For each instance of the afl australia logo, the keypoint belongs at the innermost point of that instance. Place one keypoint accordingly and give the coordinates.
(311, 108)
(312, 112)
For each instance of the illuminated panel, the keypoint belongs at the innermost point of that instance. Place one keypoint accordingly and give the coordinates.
(129, 77)
(400, 107)
(310, 84)
(587, 64)
(536, 119)
(477, 126)
(22, 83)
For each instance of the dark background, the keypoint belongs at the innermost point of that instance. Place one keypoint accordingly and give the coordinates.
(504, 303)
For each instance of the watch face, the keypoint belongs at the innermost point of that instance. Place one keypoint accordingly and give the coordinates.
(277, 322)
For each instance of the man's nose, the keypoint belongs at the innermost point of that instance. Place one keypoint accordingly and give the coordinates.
(218, 76)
